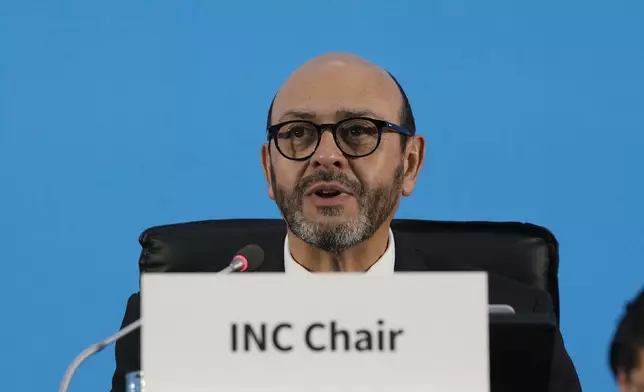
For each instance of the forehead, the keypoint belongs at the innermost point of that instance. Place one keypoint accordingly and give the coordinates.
(327, 91)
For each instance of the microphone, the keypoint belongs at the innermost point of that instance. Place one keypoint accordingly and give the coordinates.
(246, 259)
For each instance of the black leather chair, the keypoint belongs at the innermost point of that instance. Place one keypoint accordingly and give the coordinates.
(524, 252)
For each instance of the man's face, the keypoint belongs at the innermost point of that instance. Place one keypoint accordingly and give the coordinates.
(331, 201)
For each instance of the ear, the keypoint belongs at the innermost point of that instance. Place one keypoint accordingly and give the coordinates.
(414, 157)
(266, 167)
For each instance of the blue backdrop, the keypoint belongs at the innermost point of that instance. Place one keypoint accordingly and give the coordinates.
(119, 115)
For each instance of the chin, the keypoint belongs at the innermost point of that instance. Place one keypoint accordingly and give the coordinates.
(333, 220)
(328, 213)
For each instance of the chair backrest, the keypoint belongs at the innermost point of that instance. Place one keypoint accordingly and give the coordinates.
(524, 252)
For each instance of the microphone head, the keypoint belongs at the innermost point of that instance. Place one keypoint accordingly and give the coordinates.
(249, 258)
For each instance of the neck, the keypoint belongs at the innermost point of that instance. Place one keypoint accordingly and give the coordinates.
(356, 259)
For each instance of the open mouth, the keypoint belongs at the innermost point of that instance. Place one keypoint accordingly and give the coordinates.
(327, 193)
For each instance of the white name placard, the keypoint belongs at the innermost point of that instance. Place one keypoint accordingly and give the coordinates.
(329, 332)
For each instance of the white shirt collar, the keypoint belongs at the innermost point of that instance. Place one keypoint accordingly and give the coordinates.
(384, 265)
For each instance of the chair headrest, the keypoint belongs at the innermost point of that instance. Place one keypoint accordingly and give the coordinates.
(524, 252)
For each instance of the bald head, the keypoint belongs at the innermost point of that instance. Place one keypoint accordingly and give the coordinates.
(341, 80)
(336, 59)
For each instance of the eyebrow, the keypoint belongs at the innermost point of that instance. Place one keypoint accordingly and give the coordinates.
(340, 114)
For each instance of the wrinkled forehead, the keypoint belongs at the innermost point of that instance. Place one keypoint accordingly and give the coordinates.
(333, 92)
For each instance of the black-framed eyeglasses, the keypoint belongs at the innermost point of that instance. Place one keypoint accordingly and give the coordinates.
(356, 137)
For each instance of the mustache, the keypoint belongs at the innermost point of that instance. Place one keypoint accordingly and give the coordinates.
(341, 178)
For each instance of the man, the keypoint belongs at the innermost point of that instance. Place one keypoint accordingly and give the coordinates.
(338, 191)
(627, 348)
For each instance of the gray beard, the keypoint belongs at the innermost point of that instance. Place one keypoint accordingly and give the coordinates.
(374, 207)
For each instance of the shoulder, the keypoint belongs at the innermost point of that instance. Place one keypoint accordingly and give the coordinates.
(133, 309)
(127, 350)
(501, 289)
(522, 297)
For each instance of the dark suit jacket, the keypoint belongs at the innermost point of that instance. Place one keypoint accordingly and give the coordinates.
(409, 257)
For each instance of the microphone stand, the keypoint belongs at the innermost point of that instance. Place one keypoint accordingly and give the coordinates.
(95, 348)
(240, 263)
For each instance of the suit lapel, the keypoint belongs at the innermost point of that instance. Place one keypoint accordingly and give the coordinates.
(273, 246)
(408, 256)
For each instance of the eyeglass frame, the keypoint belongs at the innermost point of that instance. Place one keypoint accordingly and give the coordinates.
(381, 125)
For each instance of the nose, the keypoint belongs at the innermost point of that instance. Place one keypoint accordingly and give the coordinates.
(328, 156)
